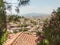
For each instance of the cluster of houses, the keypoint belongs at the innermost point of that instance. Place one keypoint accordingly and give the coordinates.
(27, 25)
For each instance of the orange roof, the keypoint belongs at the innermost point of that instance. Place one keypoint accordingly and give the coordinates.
(25, 39)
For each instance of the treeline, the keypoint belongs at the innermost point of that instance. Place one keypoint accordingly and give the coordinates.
(15, 18)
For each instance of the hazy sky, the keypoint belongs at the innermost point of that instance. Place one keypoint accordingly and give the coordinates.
(39, 6)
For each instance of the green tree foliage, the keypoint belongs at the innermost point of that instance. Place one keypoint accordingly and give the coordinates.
(4, 5)
(13, 18)
(52, 30)
(2, 20)
(9, 5)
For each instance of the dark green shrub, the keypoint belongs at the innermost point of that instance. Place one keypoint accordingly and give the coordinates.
(52, 30)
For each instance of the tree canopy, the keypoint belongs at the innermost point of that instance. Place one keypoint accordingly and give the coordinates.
(51, 30)
(5, 5)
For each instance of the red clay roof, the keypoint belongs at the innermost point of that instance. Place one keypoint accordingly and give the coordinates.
(25, 39)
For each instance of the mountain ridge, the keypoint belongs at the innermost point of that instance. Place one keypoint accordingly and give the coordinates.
(35, 14)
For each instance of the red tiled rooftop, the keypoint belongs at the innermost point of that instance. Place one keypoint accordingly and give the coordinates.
(11, 38)
(25, 39)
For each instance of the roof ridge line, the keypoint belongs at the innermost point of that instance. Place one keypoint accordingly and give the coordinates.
(17, 37)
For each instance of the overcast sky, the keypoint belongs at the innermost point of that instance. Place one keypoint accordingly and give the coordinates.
(39, 6)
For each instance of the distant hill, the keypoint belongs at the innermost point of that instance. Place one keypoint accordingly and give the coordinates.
(35, 14)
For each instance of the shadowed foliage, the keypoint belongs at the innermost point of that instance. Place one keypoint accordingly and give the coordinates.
(52, 30)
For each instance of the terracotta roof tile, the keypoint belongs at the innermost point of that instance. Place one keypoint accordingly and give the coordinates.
(25, 39)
